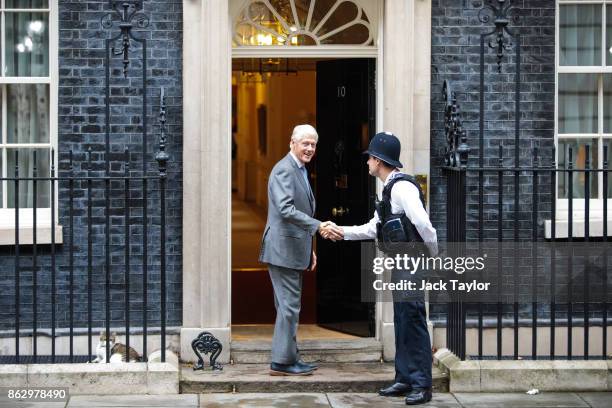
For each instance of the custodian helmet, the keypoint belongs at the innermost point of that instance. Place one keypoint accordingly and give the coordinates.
(386, 147)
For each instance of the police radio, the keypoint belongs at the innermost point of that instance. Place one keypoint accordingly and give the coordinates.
(395, 232)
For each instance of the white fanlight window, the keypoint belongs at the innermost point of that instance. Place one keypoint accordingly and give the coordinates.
(289, 23)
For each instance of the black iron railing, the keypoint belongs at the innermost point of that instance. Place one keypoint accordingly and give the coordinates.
(113, 219)
(457, 216)
(91, 186)
(134, 202)
(510, 199)
(515, 211)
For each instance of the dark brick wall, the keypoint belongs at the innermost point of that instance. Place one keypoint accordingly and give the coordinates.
(456, 33)
(455, 50)
(82, 127)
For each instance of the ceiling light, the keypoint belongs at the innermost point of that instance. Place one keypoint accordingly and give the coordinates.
(36, 26)
(27, 41)
(264, 39)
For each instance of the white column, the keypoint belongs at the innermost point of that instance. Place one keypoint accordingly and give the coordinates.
(406, 90)
(206, 173)
(421, 106)
(398, 82)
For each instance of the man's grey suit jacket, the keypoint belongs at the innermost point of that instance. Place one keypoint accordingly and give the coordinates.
(287, 238)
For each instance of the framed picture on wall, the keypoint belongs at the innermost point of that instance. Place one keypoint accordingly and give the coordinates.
(262, 128)
(234, 108)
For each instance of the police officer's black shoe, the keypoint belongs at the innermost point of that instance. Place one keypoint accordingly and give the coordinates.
(396, 390)
(418, 396)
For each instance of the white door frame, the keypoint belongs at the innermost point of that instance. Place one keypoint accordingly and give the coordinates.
(402, 106)
(325, 51)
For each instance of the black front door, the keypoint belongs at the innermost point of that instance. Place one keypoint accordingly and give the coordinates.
(344, 190)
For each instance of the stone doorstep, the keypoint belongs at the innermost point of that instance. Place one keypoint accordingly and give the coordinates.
(329, 351)
(523, 375)
(330, 377)
(86, 378)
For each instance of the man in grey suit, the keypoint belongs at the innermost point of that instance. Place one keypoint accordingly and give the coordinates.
(287, 246)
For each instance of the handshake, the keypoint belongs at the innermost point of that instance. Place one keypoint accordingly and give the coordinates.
(329, 230)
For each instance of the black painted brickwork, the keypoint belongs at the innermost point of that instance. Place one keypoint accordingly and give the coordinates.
(455, 50)
(82, 127)
(456, 33)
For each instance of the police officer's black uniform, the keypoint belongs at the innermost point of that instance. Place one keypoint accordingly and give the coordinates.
(402, 211)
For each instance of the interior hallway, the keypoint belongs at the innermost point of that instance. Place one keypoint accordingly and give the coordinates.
(248, 222)
(305, 332)
(252, 294)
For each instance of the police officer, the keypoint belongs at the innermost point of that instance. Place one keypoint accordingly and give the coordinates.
(413, 357)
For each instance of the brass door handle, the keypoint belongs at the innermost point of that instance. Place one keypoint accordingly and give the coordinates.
(339, 212)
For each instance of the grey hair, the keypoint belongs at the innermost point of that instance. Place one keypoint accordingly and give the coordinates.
(303, 131)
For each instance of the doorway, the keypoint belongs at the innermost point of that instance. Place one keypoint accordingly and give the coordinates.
(269, 97)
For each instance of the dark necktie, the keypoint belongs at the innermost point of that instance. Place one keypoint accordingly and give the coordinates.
(305, 175)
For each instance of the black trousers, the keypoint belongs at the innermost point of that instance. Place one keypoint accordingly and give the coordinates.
(413, 357)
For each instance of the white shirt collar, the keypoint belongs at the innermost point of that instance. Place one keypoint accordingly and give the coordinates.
(299, 163)
(390, 176)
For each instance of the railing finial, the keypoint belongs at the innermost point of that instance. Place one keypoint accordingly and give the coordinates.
(501, 18)
(129, 13)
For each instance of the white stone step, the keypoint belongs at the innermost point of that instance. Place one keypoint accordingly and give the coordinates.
(329, 351)
(330, 377)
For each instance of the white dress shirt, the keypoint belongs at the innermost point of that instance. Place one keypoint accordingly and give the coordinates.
(297, 161)
(303, 171)
(404, 199)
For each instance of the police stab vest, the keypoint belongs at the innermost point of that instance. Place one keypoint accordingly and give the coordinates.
(393, 231)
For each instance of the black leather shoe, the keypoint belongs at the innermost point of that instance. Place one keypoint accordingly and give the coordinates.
(289, 369)
(418, 396)
(307, 365)
(395, 390)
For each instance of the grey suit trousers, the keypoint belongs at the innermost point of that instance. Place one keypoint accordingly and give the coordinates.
(287, 284)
